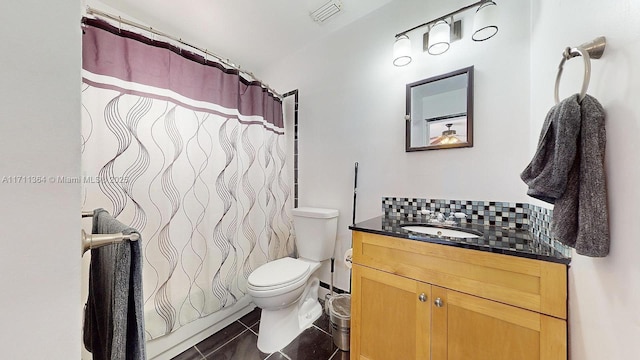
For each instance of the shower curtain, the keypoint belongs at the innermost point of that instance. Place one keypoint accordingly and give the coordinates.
(192, 155)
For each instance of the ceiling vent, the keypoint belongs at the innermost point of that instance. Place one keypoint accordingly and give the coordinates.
(326, 11)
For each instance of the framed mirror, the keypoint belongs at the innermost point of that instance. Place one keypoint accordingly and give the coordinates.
(440, 112)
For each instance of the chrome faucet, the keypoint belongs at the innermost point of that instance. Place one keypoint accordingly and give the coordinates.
(433, 217)
(453, 219)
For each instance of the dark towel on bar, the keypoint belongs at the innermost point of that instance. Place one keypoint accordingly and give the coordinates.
(114, 318)
(568, 170)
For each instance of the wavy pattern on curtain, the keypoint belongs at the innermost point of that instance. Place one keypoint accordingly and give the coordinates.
(194, 158)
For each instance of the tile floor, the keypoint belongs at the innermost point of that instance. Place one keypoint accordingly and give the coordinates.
(238, 341)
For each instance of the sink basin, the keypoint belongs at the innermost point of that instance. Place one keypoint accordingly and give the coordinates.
(438, 231)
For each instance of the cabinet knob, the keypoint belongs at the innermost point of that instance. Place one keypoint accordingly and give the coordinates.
(422, 297)
(438, 302)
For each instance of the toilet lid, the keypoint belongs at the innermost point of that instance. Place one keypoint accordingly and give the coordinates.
(278, 272)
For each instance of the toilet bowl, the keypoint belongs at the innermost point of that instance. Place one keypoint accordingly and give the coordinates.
(288, 307)
(285, 289)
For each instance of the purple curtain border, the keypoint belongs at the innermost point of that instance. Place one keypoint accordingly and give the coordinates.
(132, 57)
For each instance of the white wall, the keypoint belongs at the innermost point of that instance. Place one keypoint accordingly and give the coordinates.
(352, 106)
(40, 136)
(604, 294)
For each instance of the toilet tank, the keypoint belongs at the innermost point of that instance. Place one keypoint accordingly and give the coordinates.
(316, 230)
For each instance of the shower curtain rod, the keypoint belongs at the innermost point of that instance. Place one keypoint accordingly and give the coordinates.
(227, 62)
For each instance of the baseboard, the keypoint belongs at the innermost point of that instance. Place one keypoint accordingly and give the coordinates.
(335, 289)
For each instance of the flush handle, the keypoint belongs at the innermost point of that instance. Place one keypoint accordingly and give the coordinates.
(422, 297)
(438, 302)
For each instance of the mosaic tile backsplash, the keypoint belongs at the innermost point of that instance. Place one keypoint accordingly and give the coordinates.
(523, 216)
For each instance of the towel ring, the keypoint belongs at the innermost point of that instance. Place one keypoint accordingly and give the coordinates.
(568, 54)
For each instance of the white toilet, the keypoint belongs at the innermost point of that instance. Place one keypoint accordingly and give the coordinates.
(285, 289)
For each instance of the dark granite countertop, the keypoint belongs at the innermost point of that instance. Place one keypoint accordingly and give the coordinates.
(514, 242)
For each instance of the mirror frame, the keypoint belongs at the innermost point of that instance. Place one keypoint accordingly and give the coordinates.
(469, 142)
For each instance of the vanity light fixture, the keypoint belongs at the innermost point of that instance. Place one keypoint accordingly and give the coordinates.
(445, 29)
(484, 23)
(402, 51)
(439, 38)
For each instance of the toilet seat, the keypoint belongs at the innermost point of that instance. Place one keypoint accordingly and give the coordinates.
(279, 274)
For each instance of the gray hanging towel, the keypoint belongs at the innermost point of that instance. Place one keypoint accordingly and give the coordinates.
(547, 174)
(567, 170)
(114, 318)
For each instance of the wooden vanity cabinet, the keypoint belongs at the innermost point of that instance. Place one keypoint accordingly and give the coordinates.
(391, 322)
(418, 300)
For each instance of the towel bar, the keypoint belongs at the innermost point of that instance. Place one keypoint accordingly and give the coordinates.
(590, 50)
(93, 241)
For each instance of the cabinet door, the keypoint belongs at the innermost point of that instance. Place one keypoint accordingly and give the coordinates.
(468, 327)
(390, 316)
